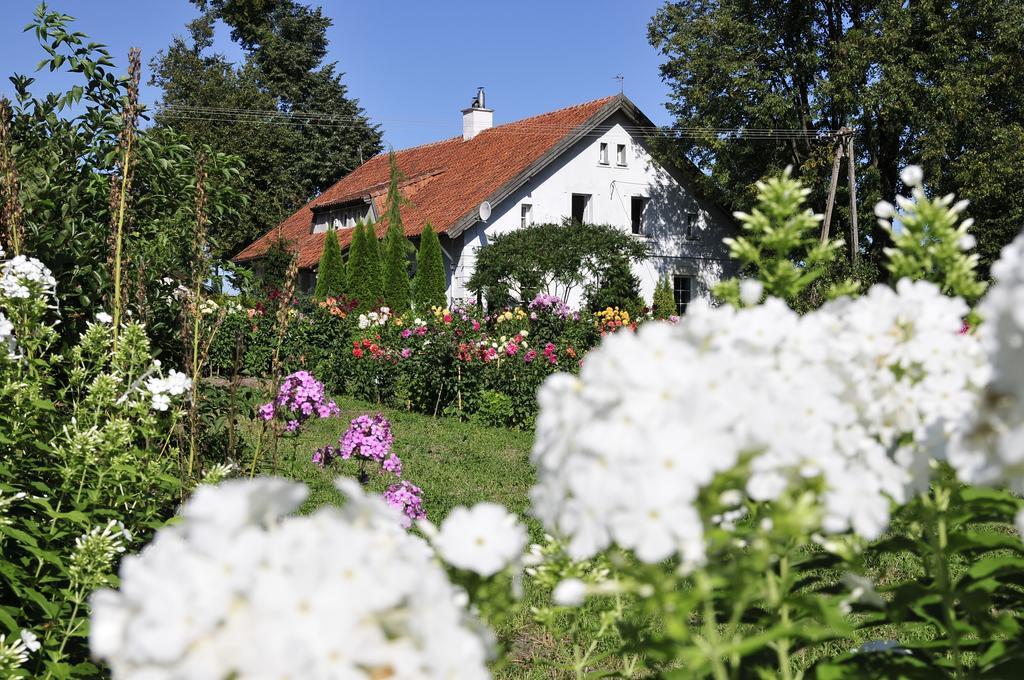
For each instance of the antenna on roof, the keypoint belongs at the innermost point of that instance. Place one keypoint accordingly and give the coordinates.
(619, 77)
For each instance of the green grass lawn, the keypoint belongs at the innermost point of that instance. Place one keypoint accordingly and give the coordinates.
(455, 463)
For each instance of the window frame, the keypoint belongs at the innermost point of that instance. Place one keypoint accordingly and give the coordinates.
(620, 155)
(587, 201)
(690, 289)
(636, 226)
(602, 154)
(692, 222)
(525, 214)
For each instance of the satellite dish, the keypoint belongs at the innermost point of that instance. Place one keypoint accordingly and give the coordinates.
(485, 211)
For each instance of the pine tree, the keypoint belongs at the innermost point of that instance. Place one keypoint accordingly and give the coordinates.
(664, 303)
(331, 277)
(364, 283)
(428, 286)
(618, 287)
(396, 247)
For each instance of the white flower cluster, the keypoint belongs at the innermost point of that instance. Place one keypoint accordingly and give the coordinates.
(842, 394)
(7, 338)
(988, 447)
(235, 591)
(378, 318)
(15, 653)
(162, 389)
(24, 277)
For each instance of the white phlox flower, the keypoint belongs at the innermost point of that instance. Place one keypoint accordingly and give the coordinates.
(847, 394)
(988, 445)
(242, 588)
(484, 539)
(24, 277)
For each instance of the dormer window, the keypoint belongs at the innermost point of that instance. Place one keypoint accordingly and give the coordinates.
(602, 155)
(342, 217)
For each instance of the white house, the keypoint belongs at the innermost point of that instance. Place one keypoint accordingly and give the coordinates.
(589, 162)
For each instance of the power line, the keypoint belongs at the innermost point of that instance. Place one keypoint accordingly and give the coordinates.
(527, 127)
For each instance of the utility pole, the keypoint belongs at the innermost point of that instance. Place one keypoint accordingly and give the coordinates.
(844, 145)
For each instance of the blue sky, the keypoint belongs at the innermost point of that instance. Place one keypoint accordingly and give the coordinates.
(412, 65)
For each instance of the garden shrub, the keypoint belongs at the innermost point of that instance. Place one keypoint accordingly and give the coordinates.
(331, 277)
(88, 467)
(663, 305)
(617, 286)
(396, 248)
(428, 284)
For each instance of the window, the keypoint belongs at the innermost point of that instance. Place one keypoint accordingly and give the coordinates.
(682, 291)
(580, 208)
(620, 154)
(526, 215)
(602, 156)
(307, 280)
(691, 225)
(637, 205)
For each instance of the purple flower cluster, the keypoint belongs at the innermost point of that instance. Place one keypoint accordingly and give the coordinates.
(408, 499)
(300, 397)
(367, 438)
(551, 304)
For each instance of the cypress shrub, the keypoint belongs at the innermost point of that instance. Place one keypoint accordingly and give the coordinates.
(364, 281)
(397, 293)
(664, 303)
(618, 287)
(429, 288)
(331, 278)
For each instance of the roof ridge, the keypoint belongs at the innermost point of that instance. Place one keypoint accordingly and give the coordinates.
(510, 123)
(550, 113)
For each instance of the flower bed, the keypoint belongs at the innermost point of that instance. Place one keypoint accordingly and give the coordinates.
(456, 361)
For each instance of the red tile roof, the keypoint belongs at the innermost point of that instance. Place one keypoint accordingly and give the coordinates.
(445, 180)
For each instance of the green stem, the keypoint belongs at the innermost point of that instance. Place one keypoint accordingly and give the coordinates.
(256, 453)
(940, 542)
(710, 627)
(782, 646)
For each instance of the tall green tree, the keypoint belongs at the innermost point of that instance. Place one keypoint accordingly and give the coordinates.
(331, 277)
(364, 279)
(397, 248)
(428, 285)
(936, 83)
(65, 153)
(288, 157)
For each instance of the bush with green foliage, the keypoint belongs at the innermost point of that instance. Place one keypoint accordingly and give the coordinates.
(428, 285)
(89, 467)
(396, 248)
(365, 284)
(331, 277)
(617, 286)
(663, 305)
(66, 150)
(555, 259)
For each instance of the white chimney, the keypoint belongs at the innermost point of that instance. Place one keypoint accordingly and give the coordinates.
(477, 117)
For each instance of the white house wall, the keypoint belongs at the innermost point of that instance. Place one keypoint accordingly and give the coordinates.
(577, 171)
